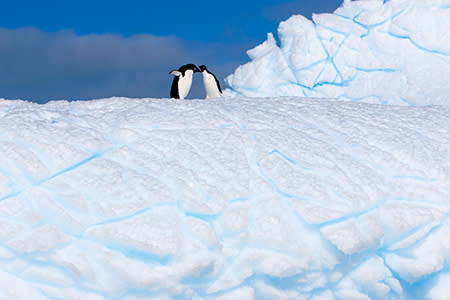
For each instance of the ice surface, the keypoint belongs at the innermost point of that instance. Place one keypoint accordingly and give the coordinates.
(242, 198)
(395, 52)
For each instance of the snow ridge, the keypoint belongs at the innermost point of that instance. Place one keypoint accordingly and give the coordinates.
(387, 52)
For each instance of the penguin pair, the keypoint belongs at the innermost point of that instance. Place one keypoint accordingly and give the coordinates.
(182, 82)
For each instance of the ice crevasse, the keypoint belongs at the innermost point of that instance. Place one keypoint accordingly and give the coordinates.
(390, 52)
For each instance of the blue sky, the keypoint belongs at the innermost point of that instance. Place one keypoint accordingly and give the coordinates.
(91, 49)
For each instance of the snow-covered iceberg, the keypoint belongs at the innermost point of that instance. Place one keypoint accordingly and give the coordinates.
(395, 52)
(240, 198)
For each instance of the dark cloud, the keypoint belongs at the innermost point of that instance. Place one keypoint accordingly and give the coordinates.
(41, 66)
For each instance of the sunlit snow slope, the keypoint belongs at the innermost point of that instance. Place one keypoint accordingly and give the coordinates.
(395, 52)
(241, 198)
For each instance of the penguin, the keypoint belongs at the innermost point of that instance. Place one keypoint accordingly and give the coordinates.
(211, 83)
(182, 81)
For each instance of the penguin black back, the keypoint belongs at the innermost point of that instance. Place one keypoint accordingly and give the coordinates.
(218, 84)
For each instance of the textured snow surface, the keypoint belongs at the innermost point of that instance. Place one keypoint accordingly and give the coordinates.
(396, 52)
(242, 198)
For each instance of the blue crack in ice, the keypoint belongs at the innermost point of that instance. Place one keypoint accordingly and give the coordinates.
(411, 40)
(290, 160)
(68, 169)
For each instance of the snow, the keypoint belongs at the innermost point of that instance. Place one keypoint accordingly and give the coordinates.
(232, 198)
(388, 52)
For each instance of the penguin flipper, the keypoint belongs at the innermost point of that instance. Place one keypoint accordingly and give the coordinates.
(175, 72)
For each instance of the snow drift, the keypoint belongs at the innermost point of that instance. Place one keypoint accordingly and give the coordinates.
(395, 52)
(240, 198)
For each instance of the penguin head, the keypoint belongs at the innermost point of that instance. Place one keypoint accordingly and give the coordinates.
(189, 67)
(203, 68)
(181, 70)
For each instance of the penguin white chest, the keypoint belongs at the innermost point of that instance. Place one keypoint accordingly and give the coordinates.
(184, 84)
(212, 90)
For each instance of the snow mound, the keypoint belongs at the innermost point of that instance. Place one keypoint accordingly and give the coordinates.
(389, 52)
(285, 198)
